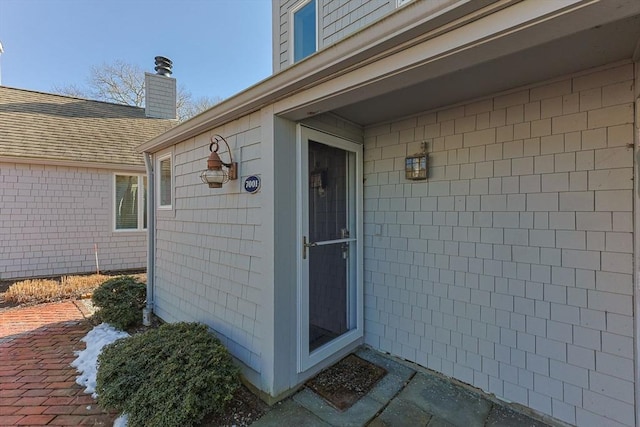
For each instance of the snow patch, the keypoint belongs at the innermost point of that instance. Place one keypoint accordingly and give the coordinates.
(121, 421)
(87, 360)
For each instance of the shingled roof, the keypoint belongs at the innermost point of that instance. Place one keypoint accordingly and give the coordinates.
(35, 125)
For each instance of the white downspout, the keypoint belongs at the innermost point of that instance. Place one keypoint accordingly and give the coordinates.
(151, 233)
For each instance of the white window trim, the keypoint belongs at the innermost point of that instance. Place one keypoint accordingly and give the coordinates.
(140, 202)
(158, 181)
(292, 12)
(400, 3)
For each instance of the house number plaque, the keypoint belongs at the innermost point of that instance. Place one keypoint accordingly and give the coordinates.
(252, 184)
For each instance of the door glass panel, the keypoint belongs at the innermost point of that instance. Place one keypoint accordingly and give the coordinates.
(328, 262)
(327, 294)
(327, 193)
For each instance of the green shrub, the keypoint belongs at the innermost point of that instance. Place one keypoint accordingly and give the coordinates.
(171, 376)
(120, 301)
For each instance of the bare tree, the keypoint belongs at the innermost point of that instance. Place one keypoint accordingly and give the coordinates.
(123, 83)
(71, 90)
(188, 106)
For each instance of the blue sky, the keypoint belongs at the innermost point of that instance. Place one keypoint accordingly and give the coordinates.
(218, 47)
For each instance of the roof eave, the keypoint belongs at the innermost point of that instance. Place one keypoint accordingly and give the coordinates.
(382, 37)
(73, 163)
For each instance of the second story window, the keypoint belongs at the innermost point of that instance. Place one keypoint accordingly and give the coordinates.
(304, 30)
(400, 3)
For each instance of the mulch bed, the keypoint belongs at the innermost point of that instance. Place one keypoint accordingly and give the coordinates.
(242, 411)
(344, 383)
(3, 288)
(6, 284)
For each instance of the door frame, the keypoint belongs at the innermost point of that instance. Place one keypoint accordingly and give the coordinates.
(306, 360)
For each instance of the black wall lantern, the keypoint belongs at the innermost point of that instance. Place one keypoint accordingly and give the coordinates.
(415, 168)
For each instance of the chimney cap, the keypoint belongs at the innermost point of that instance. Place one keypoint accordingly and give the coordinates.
(163, 66)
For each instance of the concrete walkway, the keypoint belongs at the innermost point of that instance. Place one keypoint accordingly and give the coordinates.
(404, 397)
(37, 384)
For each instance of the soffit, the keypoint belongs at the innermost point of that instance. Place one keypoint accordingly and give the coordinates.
(421, 62)
(590, 48)
(389, 33)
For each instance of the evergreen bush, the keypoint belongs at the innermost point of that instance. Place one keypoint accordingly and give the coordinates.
(120, 302)
(171, 376)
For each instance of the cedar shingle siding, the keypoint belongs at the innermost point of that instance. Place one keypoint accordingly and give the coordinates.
(58, 156)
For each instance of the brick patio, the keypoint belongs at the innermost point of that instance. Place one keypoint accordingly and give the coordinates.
(37, 383)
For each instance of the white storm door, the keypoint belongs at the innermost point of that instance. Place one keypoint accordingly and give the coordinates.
(330, 245)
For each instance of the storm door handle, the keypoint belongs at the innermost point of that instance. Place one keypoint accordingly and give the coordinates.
(306, 245)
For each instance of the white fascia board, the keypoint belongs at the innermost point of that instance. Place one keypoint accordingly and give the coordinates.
(119, 167)
(393, 30)
(380, 47)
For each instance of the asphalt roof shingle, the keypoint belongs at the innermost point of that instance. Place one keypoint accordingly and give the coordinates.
(35, 125)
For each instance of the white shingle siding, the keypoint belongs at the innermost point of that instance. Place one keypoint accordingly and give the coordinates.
(208, 248)
(520, 243)
(337, 19)
(160, 96)
(51, 217)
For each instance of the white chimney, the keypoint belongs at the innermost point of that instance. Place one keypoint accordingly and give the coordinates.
(160, 91)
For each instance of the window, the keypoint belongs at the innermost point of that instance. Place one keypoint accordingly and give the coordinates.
(164, 180)
(130, 202)
(400, 3)
(304, 30)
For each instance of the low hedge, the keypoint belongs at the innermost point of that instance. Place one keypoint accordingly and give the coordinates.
(171, 376)
(120, 302)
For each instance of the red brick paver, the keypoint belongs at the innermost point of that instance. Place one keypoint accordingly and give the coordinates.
(37, 383)
(25, 319)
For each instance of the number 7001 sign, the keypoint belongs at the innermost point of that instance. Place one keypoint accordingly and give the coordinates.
(252, 184)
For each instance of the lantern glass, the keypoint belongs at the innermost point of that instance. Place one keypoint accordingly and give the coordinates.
(416, 167)
(214, 177)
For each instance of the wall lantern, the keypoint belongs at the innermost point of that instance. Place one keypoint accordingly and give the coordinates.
(214, 175)
(416, 165)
